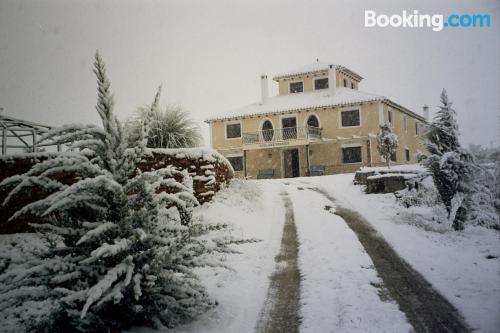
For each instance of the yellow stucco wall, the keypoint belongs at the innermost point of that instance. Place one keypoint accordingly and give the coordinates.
(283, 84)
(328, 152)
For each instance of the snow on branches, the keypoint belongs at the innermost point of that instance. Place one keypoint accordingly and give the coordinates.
(387, 143)
(455, 172)
(122, 249)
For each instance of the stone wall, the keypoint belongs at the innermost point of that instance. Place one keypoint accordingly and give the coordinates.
(210, 172)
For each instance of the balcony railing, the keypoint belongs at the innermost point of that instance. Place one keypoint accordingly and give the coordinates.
(273, 136)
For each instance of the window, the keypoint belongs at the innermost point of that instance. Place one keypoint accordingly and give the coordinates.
(353, 86)
(233, 131)
(405, 123)
(312, 121)
(393, 157)
(389, 117)
(267, 130)
(321, 84)
(236, 162)
(351, 155)
(417, 128)
(407, 154)
(345, 82)
(296, 87)
(350, 118)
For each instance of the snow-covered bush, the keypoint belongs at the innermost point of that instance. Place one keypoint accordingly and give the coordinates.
(387, 143)
(121, 249)
(430, 218)
(168, 128)
(454, 171)
(420, 191)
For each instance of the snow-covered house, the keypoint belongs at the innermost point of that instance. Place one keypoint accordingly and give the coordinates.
(313, 126)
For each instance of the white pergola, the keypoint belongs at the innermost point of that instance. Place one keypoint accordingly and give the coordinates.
(22, 134)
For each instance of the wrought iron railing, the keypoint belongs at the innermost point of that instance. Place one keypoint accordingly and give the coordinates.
(281, 134)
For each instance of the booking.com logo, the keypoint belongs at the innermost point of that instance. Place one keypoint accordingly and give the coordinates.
(416, 20)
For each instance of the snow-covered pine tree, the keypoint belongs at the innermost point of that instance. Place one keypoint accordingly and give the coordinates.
(122, 249)
(452, 167)
(387, 143)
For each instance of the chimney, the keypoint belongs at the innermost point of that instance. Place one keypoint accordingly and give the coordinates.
(332, 79)
(425, 109)
(263, 88)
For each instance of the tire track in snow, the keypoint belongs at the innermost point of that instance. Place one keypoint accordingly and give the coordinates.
(280, 312)
(424, 307)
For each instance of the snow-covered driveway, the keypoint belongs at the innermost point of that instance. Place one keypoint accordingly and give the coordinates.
(343, 288)
(340, 287)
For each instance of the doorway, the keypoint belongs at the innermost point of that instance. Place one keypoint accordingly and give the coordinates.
(291, 163)
(289, 128)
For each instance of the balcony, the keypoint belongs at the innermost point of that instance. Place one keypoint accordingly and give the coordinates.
(293, 136)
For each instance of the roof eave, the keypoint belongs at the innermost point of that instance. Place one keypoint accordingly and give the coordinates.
(249, 115)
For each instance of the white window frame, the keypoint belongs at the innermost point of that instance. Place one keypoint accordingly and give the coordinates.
(261, 129)
(242, 160)
(321, 78)
(232, 123)
(390, 117)
(417, 128)
(263, 121)
(296, 81)
(351, 109)
(351, 145)
(311, 114)
(291, 115)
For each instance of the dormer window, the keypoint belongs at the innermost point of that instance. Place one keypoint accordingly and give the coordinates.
(345, 83)
(296, 87)
(321, 83)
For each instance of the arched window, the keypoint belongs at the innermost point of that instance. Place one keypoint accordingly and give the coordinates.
(267, 130)
(312, 121)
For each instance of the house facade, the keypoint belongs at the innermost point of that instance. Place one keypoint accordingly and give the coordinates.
(319, 123)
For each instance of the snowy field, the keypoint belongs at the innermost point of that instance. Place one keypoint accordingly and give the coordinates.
(463, 266)
(339, 288)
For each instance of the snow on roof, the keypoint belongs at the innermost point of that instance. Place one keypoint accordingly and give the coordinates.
(301, 101)
(314, 68)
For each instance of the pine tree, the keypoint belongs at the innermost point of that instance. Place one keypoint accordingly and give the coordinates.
(387, 143)
(452, 167)
(122, 244)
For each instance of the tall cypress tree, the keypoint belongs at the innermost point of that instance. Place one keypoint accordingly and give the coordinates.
(451, 166)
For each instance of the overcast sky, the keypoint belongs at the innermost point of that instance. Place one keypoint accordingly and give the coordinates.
(209, 54)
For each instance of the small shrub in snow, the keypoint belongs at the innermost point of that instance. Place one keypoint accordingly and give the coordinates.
(430, 218)
(169, 128)
(387, 143)
(123, 250)
(420, 191)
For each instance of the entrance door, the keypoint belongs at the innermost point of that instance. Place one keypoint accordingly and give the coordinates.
(291, 163)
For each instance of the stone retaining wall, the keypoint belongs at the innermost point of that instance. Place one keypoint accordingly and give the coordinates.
(209, 169)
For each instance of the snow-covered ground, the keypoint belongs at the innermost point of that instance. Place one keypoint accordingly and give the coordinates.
(256, 211)
(339, 287)
(338, 292)
(455, 263)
